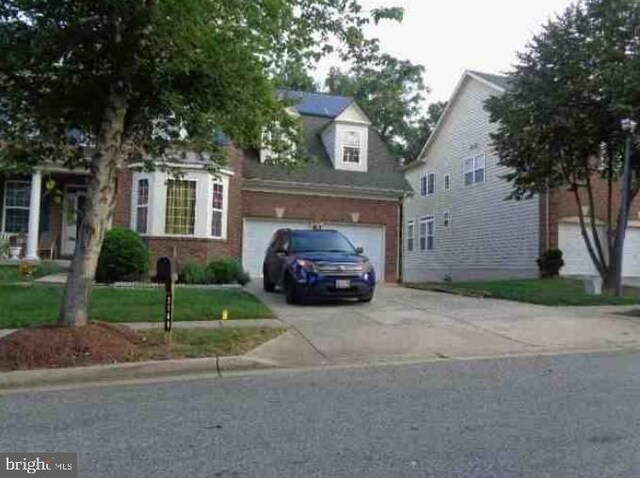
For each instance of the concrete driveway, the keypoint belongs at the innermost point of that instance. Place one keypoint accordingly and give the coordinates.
(406, 324)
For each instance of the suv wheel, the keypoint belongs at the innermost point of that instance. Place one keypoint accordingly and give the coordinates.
(366, 298)
(291, 294)
(267, 284)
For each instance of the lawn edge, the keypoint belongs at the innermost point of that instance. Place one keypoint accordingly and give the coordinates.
(19, 379)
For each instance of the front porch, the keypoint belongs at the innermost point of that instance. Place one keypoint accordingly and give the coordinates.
(40, 213)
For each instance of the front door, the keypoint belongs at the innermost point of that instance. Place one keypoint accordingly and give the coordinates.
(74, 200)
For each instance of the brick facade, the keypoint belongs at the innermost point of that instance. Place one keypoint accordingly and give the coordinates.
(331, 209)
(262, 205)
(562, 204)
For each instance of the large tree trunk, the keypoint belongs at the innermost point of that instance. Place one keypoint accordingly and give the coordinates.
(97, 213)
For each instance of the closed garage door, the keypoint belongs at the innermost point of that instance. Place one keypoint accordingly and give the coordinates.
(256, 236)
(631, 265)
(370, 238)
(577, 259)
(257, 233)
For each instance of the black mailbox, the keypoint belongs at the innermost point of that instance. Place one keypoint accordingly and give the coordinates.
(164, 270)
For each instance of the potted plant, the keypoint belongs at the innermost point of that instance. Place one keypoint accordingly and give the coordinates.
(14, 248)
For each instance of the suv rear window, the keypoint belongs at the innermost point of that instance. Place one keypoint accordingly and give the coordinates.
(320, 241)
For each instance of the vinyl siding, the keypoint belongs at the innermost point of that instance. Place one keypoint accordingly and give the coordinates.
(488, 236)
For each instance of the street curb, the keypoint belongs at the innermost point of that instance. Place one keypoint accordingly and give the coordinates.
(128, 371)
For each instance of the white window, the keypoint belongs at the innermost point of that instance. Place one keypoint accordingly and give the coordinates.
(447, 181)
(447, 219)
(217, 209)
(410, 235)
(142, 206)
(427, 233)
(474, 169)
(423, 186)
(431, 184)
(351, 147)
(17, 198)
(180, 213)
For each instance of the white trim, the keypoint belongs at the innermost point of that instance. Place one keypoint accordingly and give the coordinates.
(156, 216)
(474, 169)
(431, 174)
(426, 220)
(364, 120)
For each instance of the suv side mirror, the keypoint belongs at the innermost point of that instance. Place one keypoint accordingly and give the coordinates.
(280, 252)
(359, 250)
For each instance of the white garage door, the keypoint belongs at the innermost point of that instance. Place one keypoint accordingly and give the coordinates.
(370, 238)
(256, 236)
(577, 261)
(576, 257)
(631, 264)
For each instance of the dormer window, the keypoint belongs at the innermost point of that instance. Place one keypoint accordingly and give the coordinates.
(351, 147)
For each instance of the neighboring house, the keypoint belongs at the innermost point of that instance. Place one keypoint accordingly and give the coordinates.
(353, 185)
(459, 224)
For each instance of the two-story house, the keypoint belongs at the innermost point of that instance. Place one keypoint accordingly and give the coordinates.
(459, 224)
(352, 184)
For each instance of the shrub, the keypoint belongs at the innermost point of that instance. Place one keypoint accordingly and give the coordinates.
(124, 257)
(225, 271)
(222, 271)
(550, 263)
(192, 273)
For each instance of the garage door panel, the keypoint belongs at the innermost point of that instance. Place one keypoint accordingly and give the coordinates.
(577, 260)
(256, 236)
(370, 238)
(631, 264)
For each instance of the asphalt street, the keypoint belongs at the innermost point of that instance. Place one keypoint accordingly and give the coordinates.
(547, 416)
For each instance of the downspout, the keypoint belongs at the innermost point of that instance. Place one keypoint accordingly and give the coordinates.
(547, 219)
(399, 239)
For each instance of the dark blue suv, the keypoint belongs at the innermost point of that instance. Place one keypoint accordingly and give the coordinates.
(317, 264)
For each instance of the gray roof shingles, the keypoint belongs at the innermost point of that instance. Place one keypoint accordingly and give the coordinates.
(383, 172)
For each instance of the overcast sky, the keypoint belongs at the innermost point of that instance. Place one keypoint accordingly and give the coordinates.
(450, 36)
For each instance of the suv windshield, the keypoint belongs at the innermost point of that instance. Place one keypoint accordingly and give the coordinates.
(320, 241)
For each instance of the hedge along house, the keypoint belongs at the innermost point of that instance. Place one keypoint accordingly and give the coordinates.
(352, 184)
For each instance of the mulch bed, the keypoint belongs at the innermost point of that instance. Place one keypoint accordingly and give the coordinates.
(52, 346)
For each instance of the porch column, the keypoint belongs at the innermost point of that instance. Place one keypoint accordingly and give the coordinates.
(34, 217)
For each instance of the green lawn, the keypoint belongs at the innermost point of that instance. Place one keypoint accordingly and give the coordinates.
(34, 304)
(536, 291)
(211, 342)
(10, 273)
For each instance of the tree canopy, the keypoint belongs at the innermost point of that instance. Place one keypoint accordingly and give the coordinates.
(559, 124)
(391, 92)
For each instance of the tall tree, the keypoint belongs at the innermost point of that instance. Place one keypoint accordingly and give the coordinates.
(560, 122)
(293, 74)
(391, 92)
(143, 80)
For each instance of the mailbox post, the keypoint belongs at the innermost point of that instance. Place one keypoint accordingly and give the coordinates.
(165, 274)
